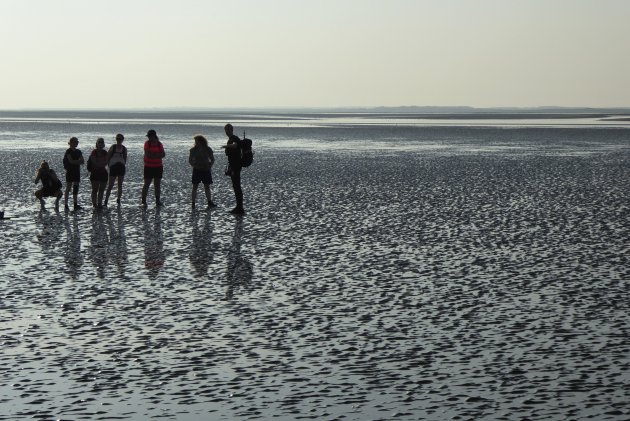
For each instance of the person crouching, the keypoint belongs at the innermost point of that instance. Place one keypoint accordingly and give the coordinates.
(51, 185)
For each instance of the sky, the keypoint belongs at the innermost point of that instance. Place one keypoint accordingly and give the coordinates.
(313, 53)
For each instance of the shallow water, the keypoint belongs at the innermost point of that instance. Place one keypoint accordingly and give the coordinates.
(468, 274)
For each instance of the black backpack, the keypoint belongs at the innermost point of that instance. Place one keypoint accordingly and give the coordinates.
(247, 155)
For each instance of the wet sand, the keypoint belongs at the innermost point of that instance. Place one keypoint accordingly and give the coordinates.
(482, 283)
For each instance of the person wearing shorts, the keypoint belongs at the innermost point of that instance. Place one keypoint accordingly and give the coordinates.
(97, 166)
(201, 158)
(153, 155)
(117, 162)
(72, 161)
(51, 186)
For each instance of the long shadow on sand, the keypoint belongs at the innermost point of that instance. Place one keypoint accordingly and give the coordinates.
(239, 269)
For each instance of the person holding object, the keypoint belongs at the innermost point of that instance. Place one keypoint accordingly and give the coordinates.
(153, 155)
(97, 163)
(201, 158)
(72, 161)
(51, 186)
(233, 170)
(117, 162)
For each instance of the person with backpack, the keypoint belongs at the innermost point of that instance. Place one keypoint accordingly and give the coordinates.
(233, 170)
(201, 158)
(51, 186)
(72, 161)
(117, 162)
(153, 155)
(97, 163)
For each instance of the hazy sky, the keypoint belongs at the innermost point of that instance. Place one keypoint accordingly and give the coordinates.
(252, 53)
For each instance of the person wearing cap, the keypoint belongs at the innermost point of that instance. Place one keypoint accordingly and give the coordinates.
(97, 166)
(233, 152)
(117, 162)
(153, 154)
(72, 161)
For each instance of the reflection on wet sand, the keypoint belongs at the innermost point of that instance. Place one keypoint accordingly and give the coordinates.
(154, 255)
(99, 240)
(239, 268)
(72, 255)
(117, 242)
(201, 251)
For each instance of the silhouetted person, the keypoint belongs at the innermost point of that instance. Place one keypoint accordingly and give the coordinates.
(97, 166)
(117, 162)
(153, 154)
(233, 170)
(51, 186)
(201, 158)
(72, 161)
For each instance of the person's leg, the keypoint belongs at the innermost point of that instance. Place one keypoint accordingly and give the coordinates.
(67, 195)
(39, 194)
(75, 194)
(145, 190)
(95, 185)
(206, 189)
(120, 183)
(158, 191)
(238, 191)
(194, 194)
(59, 195)
(101, 191)
(112, 180)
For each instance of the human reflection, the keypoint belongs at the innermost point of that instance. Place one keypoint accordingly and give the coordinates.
(73, 256)
(201, 252)
(117, 242)
(153, 243)
(239, 270)
(99, 240)
(48, 238)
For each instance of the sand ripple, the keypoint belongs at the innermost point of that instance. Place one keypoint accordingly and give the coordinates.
(359, 286)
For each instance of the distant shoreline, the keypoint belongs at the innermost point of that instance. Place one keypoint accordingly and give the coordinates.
(620, 115)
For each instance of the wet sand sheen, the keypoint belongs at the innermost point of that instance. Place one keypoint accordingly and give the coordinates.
(360, 285)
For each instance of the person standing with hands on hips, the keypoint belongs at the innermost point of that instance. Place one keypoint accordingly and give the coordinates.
(233, 170)
(153, 154)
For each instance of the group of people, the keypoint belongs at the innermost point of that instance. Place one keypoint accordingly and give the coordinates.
(106, 167)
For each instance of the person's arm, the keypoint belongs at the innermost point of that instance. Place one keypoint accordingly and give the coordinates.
(230, 146)
(110, 153)
(71, 160)
(125, 155)
(38, 176)
(191, 158)
(211, 156)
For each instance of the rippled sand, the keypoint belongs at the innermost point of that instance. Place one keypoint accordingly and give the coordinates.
(368, 285)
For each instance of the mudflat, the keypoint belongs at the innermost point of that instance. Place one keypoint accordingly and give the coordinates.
(482, 282)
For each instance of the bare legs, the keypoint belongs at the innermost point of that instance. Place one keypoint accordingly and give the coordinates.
(112, 180)
(206, 188)
(145, 190)
(39, 195)
(98, 188)
(75, 193)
